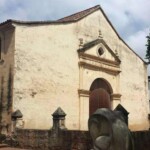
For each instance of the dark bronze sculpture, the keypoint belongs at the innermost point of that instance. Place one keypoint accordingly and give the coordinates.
(109, 130)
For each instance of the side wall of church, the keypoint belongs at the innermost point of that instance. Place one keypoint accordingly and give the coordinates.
(6, 78)
(134, 89)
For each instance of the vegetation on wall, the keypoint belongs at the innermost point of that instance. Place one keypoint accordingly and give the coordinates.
(1, 98)
(9, 94)
(148, 48)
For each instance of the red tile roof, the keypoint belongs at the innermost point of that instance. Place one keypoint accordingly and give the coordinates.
(79, 15)
(71, 18)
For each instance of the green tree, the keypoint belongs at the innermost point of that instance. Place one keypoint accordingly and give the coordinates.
(148, 48)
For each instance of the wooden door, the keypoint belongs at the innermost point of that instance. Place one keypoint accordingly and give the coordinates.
(99, 98)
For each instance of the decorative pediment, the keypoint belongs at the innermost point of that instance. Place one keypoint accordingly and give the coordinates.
(99, 50)
(97, 55)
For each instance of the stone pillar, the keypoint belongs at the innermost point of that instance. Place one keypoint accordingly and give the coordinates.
(56, 139)
(4, 119)
(59, 119)
(17, 120)
(4, 128)
(123, 111)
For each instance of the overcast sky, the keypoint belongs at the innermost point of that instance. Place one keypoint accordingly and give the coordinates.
(131, 18)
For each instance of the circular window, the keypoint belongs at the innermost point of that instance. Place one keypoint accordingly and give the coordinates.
(100, 51)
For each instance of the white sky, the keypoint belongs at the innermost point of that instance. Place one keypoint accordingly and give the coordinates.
(131, 18)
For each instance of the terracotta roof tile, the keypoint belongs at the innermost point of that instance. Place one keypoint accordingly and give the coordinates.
(71, 18)
(79, 15)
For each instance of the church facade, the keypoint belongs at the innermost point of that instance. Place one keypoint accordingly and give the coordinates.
(78, 63)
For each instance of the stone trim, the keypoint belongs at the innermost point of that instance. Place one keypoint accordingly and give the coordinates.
(116, 96)
(96, 67)
(84, 93)
(98, 59)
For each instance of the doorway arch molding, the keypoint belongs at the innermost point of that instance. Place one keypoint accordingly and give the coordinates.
(101, 83)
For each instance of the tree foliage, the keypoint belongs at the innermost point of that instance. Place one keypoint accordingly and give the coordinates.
(148, 48)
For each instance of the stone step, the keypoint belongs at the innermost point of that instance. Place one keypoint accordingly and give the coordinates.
(3, 145)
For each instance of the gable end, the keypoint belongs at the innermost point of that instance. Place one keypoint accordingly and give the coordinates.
(91, 44)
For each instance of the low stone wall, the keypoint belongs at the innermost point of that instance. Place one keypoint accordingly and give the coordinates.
(69, 140)
(141, 140)
(53, 140)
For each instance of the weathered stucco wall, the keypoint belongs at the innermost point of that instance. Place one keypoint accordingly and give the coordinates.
(6, 78)
(47, 74)
(132, 83)
(134, 89)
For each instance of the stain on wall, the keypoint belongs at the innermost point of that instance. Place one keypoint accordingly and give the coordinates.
(9, 94)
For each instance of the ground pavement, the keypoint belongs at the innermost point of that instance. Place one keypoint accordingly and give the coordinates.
(6, 147)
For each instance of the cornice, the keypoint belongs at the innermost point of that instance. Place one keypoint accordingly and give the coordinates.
(84, 93)
(96, 67)
(116, 96)
(99, 59)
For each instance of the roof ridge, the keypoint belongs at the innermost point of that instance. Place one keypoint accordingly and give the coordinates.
(79, 15)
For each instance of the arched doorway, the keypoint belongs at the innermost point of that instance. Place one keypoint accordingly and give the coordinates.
(100, 95)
